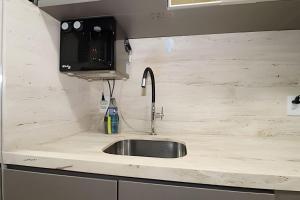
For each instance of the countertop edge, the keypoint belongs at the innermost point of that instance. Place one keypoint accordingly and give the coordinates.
(218, 178)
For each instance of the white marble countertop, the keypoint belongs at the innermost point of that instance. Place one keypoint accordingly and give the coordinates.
(239, 161)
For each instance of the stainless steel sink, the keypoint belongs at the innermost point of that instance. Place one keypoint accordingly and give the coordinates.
(147, 148)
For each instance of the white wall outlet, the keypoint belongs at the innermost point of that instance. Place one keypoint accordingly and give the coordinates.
(104, 104)
(292, 109)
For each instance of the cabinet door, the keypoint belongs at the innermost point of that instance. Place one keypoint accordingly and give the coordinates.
(0, 182)
(23, 185)
(147, 191)
(285, 195)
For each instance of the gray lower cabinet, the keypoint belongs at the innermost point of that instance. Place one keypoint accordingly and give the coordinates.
(148, 191)
(0, 181)
(29, 185)
(285, 195)
(24, 185)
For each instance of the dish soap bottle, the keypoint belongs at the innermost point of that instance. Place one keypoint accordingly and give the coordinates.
(111, 120)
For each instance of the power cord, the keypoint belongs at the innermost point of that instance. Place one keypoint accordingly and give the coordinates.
(111, 89)
(123, 118)
(111, 92)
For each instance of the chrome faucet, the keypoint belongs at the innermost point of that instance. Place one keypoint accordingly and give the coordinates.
(154, 115)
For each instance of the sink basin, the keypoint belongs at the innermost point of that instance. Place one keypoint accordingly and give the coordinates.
(147, 148)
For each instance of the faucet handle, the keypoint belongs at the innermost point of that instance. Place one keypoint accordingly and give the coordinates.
(161, 114)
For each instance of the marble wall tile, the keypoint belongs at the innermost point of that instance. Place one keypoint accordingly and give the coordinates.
(39, 103)
(217, 84)
(209, 84)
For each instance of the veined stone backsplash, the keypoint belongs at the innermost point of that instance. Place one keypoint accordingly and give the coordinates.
(210, 84)
(39, 103)
(217, 84)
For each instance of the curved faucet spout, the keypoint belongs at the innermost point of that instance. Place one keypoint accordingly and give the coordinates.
(149, 71)
(154, 115)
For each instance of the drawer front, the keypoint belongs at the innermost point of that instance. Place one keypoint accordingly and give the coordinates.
(23, 185)
(147, 191)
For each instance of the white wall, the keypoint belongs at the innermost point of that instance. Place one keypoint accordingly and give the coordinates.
(211, 84)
